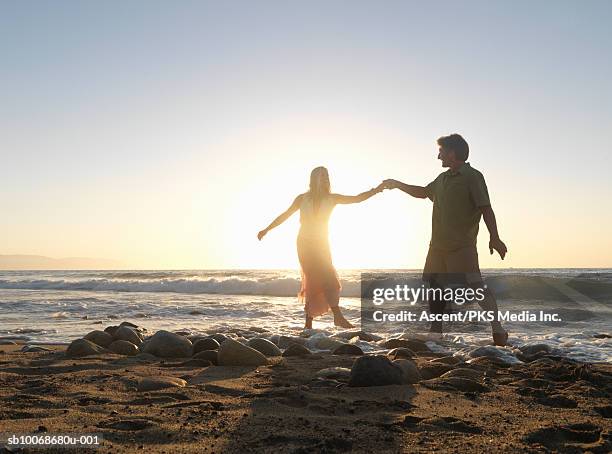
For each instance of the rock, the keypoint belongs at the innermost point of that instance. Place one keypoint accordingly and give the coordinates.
(168, 345)
(375, 370)
(111, 329)
(207, 355)
(127, 334)
(129, 325)
(464, 373)
(347, 349)
(296, 350)
(35, 349)
(127, 424)
(101, 338)
(83, 347)
(335, 373)
(362, 335)
(456, 383)
(432, 370)
(218, 337)
(400, 353)
(233, 353)
(450, 360)
(122, 347)
(320, 341)
(484, 361)
(415, 345)
(532, 352)
(264, 346)
(502, 354)
(410, 371)
(155, 383)
(205, 344)
(287, 341)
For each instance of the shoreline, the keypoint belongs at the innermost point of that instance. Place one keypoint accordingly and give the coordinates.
(298, 404)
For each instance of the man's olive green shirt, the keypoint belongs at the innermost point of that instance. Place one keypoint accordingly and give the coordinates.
(457, 198)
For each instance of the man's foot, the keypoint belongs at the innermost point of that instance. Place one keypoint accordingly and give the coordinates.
(500, 339)
(433, 336)
(342, 322)
(435, 328)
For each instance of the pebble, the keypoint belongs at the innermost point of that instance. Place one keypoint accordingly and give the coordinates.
(336, 373)
(155, 383)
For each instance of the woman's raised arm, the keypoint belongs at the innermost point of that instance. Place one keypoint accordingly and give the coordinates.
(282, 217)
(346, 199)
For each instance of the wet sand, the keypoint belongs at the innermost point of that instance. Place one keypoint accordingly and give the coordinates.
(546, 405)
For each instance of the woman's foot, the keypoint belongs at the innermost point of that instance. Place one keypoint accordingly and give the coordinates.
(339, 319)
(342, 322)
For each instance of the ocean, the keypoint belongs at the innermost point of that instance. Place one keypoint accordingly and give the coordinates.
(59, 306)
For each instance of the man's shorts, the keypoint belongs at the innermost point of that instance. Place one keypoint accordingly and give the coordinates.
(452, 267)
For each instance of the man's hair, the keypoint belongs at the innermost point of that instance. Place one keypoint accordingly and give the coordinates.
(456, 143)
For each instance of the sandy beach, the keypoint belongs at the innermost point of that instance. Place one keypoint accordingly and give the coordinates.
(297, 404)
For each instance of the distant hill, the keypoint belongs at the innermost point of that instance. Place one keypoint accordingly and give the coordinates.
(40, 262)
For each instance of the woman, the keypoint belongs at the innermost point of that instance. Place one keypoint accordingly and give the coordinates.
(320, 285)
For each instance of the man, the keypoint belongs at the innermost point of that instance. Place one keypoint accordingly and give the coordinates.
(460, 198)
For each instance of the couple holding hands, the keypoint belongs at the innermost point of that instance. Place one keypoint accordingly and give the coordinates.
(460, 198)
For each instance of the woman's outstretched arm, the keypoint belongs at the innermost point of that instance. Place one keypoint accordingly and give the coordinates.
(283, 217)
(345, 199)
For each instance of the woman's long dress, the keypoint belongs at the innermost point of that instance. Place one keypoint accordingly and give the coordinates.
(320, 289)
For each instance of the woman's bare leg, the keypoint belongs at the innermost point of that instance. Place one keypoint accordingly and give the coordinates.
(339, 319)
(308, 323)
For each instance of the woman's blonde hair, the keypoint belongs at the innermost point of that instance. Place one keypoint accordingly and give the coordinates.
(319, 185)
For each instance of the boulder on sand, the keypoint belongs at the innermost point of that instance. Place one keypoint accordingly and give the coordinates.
(101, 338)
(127, 333)
(264, 346)
(296, 350)
(410, 371)
(168, 345)
(208, 343)
(233, 353)
(122, 347)
(375, 370)
(83, 347)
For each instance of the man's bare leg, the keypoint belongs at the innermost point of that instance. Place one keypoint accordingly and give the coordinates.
(489, 303)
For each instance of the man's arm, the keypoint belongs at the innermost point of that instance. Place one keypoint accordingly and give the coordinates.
(494, 243)
(415, 191)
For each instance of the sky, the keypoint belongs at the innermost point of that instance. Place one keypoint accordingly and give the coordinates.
(166, 134)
